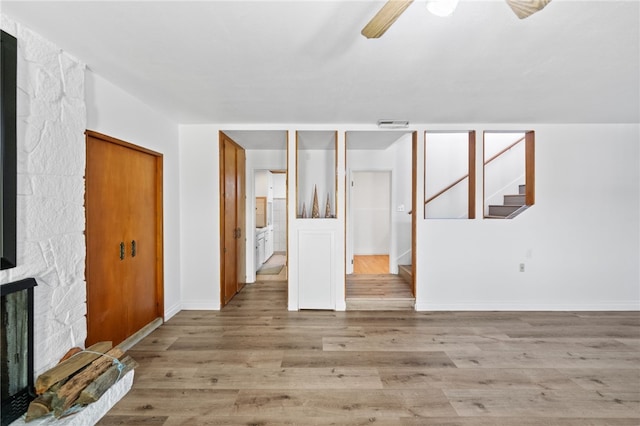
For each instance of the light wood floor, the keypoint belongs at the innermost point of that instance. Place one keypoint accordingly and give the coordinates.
(378, 292)
(371, 264)
(255, 363)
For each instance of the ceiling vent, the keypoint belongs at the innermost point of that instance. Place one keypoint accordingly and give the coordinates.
(393, 124)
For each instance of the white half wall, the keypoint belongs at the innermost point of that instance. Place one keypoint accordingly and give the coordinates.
(114, 112)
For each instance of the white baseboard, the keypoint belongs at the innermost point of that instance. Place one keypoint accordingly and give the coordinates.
(529, 306)
(171, 311)
(200, 305)
(341, 305)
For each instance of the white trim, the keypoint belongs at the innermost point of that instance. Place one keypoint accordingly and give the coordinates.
(171, 311)
(200, 305)
(528, 306)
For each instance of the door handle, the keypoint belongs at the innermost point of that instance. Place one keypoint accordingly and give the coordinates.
(133, 248)
(237, 233)
(121, 250)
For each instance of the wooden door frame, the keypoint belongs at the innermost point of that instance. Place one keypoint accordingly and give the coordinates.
(158, 208)
(414, 209)
(221, 170)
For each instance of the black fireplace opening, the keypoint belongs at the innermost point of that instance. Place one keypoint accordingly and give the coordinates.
(16, 350)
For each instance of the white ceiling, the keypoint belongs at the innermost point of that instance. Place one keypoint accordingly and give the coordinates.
(255, 62)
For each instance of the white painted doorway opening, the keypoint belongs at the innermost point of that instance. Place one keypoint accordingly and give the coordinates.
(369, 230)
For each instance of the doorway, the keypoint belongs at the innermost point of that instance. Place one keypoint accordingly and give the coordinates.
(381, 220)
(371, 219)
(264, 205)
(270, 258)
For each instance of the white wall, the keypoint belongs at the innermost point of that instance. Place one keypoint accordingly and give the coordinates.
(114, 112)
(579, 243)
(199, 217)
(51, 120)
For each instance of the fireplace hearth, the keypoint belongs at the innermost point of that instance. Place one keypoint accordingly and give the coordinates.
(16, 348)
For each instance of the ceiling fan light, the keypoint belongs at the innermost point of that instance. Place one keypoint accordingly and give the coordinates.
(442, 7)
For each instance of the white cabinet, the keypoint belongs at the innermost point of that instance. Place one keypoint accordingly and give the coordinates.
(268, 243)
(316, 269)
(260, 248)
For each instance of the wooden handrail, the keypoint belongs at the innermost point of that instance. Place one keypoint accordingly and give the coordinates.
(504, 150)
(439, 193)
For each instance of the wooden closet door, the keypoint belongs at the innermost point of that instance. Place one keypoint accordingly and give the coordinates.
(123, 207)
(140, 240)
(233, 217)
(230, 277)
(105, 208)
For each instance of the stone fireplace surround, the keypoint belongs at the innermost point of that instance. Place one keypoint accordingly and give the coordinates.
(51, 158)
(51, 121)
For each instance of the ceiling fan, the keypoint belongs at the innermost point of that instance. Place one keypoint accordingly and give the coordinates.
(392, 9)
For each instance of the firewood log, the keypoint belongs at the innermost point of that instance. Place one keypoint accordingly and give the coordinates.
(69, 367)
(99, 386)
(69, 392)
(71, 352)
(41, 406)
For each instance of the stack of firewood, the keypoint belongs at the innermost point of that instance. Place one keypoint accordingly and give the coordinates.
(81, 377)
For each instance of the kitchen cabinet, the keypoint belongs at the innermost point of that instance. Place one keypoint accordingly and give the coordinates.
(268, 243)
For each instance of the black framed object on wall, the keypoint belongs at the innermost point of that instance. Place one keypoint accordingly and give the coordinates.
(8, 86)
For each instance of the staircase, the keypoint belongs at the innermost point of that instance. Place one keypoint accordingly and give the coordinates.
(512, 206)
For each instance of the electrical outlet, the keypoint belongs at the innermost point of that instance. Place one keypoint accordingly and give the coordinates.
(522, 267)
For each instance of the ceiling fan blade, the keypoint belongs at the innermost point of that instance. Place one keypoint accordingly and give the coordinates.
(385, 17)
(524, 8)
